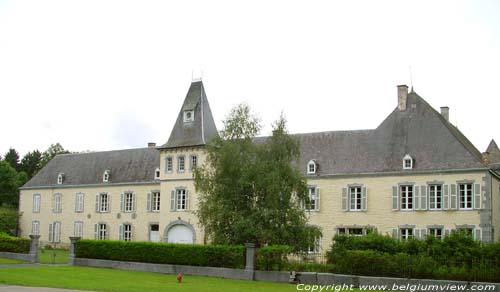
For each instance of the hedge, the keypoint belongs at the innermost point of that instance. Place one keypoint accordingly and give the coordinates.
(163, 253)
(14, 244)
(273, 257)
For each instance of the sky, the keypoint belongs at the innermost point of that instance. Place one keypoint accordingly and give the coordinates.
(103, 75)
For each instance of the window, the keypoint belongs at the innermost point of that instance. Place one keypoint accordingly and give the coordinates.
(181, 200)
(36, 203)
(435, 197)
(311, 167)
(35, 227)
(313, 195)
(79, 198)
(155, 201)
(406, 192)
(60, 179)
(406, 233)
(465, 195)
(465, 230)
(354, 231)
(168, 164)
(57, 204)
(194, 162)
(55, 232)
(181, 165)
(126, 232)
(157, 173)
(355, 198)
(436, 232)
(102, 203)
(105, 176)
(188, 116)
(101, 231)
(78, 229)
(128, 202)
(316, 246)
(407, 162)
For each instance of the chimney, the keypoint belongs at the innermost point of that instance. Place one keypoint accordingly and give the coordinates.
(151, 145)
(402, 97)
(445, 112)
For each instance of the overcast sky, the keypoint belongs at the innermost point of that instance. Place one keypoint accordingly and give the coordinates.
(102, 75)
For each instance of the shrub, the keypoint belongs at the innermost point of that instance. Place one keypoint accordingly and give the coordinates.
(14, 244)
(163, 253)
(8, 220)
(273, 257)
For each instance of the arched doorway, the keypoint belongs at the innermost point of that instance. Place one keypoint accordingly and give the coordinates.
(180, 231)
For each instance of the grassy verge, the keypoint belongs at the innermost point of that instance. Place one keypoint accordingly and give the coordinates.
(85, 278)
(4, 261)
(53, 256)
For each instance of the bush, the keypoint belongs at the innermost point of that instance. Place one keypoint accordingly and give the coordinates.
(273, 257)
(14, 244)
(163, 253)
(8, 220)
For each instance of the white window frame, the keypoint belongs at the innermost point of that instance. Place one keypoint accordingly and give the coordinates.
(128, 202)
(79, 202)
(316, 247)
(313, 195)
(103, 206)
(437, 232)
(78, 229)
(193, 161)
(60, 179)
(465, 196)
(37, 200)
(102, 231)
(55, 232)
(407, 159)
(181, 199)
(127, 232)
(181, 163)
(406, 197)
(355, 203)
(436, 197)
(155, 201)
(157, 173)
(169, 164)
(35, 227)
(187, 118)
(311, 167)
(57, 208)
(105, 176)
(406, 233)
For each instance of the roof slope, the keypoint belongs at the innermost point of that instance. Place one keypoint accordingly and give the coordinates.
(493, 152)
(125, 166)
(202, 129)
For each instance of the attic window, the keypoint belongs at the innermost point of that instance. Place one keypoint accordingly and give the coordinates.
(188, 116)
(60, 179)
(105, 176)
(157, 173)
(407, 162)
(311, 167)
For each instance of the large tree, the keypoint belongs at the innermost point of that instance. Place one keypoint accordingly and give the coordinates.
(12, 157)
(31, 163)
(10, 181)
(249, 189)
(51, 152)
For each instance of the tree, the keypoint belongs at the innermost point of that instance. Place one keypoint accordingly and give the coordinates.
(31, 163)
(8, 184)
(249, 189)
(12, 157)
(51, 152)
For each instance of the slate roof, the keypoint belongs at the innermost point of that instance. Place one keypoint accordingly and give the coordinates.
(202, 129)
(125, 166)
(420, 131)
(493, 152)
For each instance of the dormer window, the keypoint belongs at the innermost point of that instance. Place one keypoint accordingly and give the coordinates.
(60, 179)
(188, 116)
(407, 162)
(157, 173)
(105, 176)
(311, 167)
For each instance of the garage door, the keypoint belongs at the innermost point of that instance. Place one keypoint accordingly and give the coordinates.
(180, 234)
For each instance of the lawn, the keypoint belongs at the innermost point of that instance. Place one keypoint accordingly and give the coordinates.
(53, 256)
(97, 279)
(4, 261)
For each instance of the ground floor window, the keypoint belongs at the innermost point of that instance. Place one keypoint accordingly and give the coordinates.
(78, 229)
(356, 231)
(436, 232)
(55, 232)
(101, 231)
(405, 233)
(316, 246)
(35, 227)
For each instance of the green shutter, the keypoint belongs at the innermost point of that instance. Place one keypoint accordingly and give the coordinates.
(477, 234)
(477, 196)
(395, 234)
(134, 202)
(453, 197)
(344, 200)
(51, 233)
(423, 198)
(120, 232)
(416, 198)
(187, 200)
(395, 199)
(423, 233)
(97, 203)
(149, 203)
(96, 231)
(122, 202)
(364, 199)
(318, 200)
(446, 198)
(172, 201)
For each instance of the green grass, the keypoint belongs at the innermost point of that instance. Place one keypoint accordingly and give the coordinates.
(96, 279)
(4, 261)
(47, 256)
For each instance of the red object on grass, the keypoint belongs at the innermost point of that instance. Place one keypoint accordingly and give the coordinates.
(179, 277)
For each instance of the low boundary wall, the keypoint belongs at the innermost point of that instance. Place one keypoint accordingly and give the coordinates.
(31, 257)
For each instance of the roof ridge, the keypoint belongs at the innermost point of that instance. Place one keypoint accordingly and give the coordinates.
(104, 151)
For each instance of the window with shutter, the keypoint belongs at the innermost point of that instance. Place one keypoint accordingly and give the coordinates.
(465, 196)
(406, 194)
(435, 197)
(155, 202)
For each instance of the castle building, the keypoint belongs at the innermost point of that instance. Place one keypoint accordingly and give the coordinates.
(413, 175)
